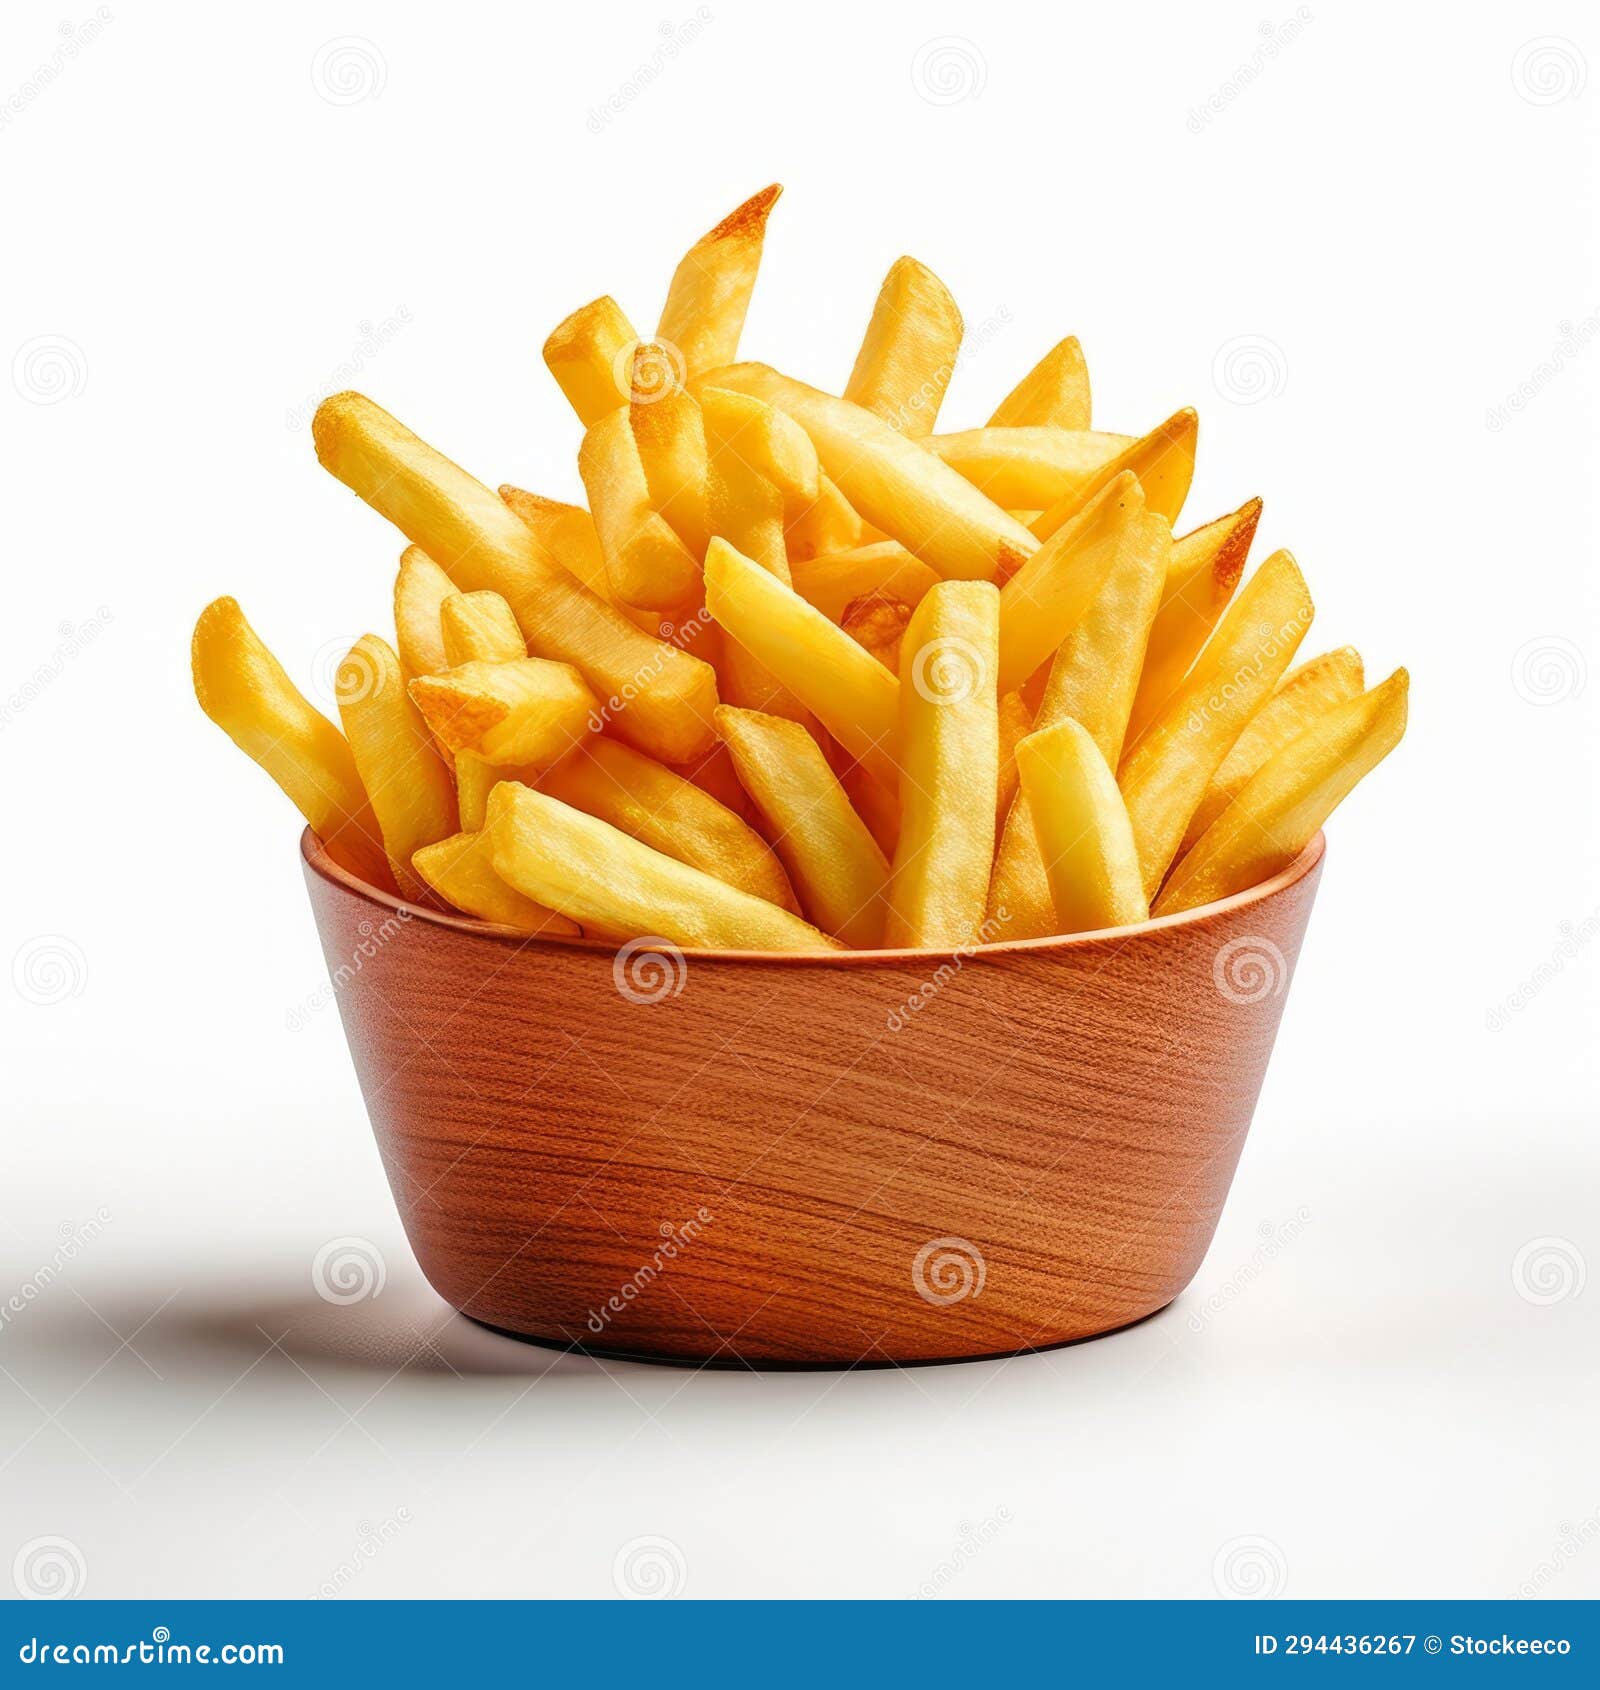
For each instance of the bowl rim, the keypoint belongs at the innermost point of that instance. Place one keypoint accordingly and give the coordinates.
(320, 863)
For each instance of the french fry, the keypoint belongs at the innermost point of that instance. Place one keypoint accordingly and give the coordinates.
(655, 696)
(876, 801)
(1016, 723)
(895, 483)
(1303, 695)
(406, 780)
(878, 623)
(479, 628)
(767, 442)
(599, 877)
(1165, 775)
(1163, 460)
(419, 589)
(714, 772)
(648, 564)
(832, 858)
(660, 808)
(566, 532)
(1046, 599)
(525, 713)
(1279, 810)
(827, 523)
(1031, 467)
(710, 291)
(950, 767)
(833, 583)
(588, 355)
(460, 870)
(244, 689)
(670, 435)
(845, 687)
(909, 352)
(1053, 394)
(1089, 854)
(1204, 570)
(1092, 680)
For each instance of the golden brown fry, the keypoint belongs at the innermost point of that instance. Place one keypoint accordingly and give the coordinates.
(648, 564)
(877, 622)
(598, 876)
(567, 533)
(460, 870)
(1046, 599)
(830, 853)
(1163, 460)
(767, 442)
(710, 292)
(834, 582)
(655, 696)
(1166, 773)
(588, 355)
(874, 799)
(847, 689)
(1204, 569)
(659, 807)
(909, 352)
(243, 688)
(1031, 467)
(1016, 723)
(1279, 810)
(1053, 394)
(406, 779)
(419, 589)
(827, 523)
(1087, 842)
(1304, 695)
(895, 483)
(950, 767)
(479, 628)
(525, 713)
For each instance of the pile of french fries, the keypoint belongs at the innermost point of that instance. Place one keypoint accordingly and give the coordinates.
(806, 674)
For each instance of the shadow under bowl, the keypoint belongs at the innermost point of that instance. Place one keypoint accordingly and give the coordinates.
(845, 1159)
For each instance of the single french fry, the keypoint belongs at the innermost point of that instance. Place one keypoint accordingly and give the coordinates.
(1163, 460)
(1020, 903)
(524, 713)
(833, 860)
(1303, 695)
(1053, 394)
(1052, 592)
(1031, 467)
(1165, 775)
(833, 583)
(654, 695)
(244, 689)
(670, 436)
(1089, 855)
(479, 628)
(710, 292)
(950, 767)
(844, 686)
(875, 800)
(588, 355)
(909, 352)
(460, 870)
(827, 523)
(648, 564)
(419, 589)
(766, 441)
(714, 772)
(566, 532)
(599, 877)
(1095, 675)
(1202, 574)
(660, 808)
(407, 782)
(1279, 810)
(903, 489)
(1016, 723)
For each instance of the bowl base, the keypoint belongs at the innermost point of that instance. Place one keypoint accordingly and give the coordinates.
(726, 1361)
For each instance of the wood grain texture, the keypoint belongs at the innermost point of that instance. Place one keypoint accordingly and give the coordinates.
(860, 1158)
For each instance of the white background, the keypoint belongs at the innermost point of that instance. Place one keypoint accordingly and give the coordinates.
(1349, 259)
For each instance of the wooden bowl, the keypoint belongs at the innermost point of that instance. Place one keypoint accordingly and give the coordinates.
(854, 1158)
